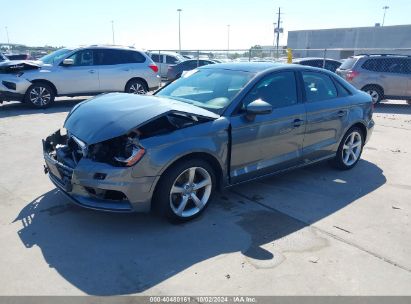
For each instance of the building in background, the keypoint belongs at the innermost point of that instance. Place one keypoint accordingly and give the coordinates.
(357, 40)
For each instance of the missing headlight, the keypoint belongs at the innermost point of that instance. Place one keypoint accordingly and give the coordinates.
(121, 151)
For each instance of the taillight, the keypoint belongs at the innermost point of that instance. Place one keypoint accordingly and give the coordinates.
(351, 75)
(153, 67)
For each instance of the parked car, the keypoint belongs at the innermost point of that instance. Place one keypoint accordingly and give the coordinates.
(219, 126)
(175, 71)
(83, 71)
(165, 59)
(382, 76)
(328, 64)
(18, 56)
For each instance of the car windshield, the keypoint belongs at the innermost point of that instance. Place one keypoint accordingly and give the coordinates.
(55, 56)
(212, 89)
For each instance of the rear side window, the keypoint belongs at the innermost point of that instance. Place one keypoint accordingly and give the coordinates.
(155, 57)
(348, 64)
(387, 65)
(171, 60)
(342, 91)
(318, 86)
(112, 57)
(132, 57)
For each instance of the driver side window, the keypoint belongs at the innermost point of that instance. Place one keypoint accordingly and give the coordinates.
(278, 89)
(82, 58)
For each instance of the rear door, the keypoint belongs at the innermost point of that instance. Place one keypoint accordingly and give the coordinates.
(81, 77)
(117, 67)
(327, 105)
(269, 142)
(389, 73)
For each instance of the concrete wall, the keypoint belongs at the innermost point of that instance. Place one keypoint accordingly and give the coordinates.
(387, 37)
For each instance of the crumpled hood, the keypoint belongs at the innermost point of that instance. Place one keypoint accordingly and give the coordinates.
(14, 66)
(111, 115)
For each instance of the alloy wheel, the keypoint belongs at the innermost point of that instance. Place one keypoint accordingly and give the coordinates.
(137, 88)
(190, 192)
(352, 148)
(374, 95)
(40, 96)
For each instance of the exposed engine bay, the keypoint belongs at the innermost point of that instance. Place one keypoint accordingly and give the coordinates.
(122, 151)
(14, 66)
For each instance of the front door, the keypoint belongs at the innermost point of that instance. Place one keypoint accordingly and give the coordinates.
(273, 141)
(81, 77)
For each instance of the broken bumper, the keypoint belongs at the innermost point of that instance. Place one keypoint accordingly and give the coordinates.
(13, 88)
(102, 187)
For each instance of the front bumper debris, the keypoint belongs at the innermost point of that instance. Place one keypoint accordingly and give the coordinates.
(92, 184)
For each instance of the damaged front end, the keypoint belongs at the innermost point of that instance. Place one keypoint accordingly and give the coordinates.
(96, 176)
(12, 85)
(100, 175)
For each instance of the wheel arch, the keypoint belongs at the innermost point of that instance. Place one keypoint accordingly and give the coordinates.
(209, 158)
(47, 82)
(362, 127)
(137, 78)
(374, 85)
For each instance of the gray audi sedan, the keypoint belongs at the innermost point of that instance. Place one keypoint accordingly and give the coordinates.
(217, 126)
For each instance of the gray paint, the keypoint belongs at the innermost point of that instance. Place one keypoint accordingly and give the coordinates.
(244, 149)
(115, 114)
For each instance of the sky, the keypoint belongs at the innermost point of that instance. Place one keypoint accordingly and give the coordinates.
(154, 24)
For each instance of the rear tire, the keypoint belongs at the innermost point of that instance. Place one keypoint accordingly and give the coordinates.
(376, 93)
(40, 95)
(350, 149)
(136, 86)
(185, 190)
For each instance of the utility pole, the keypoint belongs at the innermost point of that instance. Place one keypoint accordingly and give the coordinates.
(179, 29)
(228, 39)
(385, 11)
(7, 33)
(112, 30)
(278, 31)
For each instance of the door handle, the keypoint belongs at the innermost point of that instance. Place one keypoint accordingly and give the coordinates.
(91, 71)
(298, 123)
(341, 113)
(126, 70)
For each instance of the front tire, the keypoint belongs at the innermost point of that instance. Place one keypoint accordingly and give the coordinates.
(376, 93)
(40, 95)
(185, 190)
(136, 86)
(350, 149)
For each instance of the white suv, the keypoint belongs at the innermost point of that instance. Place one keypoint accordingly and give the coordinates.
(82, 71)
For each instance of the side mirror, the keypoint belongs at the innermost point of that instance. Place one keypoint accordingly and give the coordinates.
(67, 62)
(258, 107)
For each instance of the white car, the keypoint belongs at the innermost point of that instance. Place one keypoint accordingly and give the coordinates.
(75, 72)
(165, 59)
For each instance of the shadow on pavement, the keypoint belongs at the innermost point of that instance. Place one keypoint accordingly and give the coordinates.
(119, 254)
(17, 108)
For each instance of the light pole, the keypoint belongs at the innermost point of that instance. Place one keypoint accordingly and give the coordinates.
(7, 33)
(179, 29)
(228, 39)
(112, 30)
(385, 11)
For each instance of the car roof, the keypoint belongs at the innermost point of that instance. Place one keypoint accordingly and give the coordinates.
(257, 67)
(102, 46)
(313, 58)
